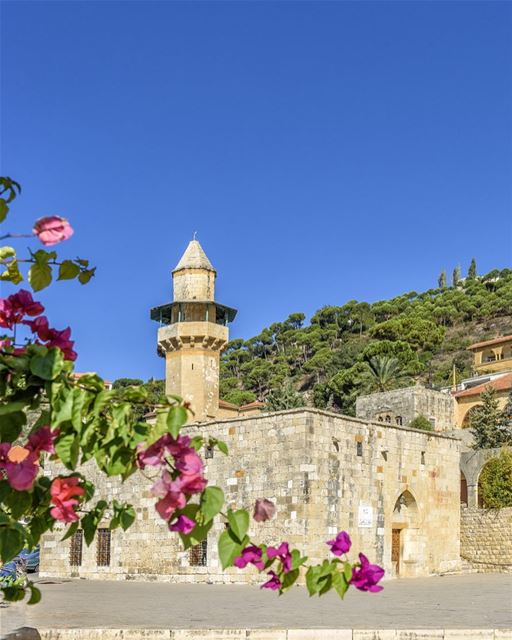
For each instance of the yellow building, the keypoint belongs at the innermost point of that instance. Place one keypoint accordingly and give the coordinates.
(469, 398)
(492, 355)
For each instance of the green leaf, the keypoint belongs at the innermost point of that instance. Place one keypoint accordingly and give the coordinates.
(39, 276)
(340, 584)
(347, 571)
(312, 577)
(176, 418)
(238, 522)
(11, 426)
(19, 503)
(229, 549)
(212, 500)
(48, 366)
(12, 273)
(13, 594)
(199, 532)
(68, 270)
(197, 442)
(72, 529)
(11, 543)
(7, 252)
(289, 579)
(89, 525)
(86, 275)
(223, 447)
(62, 407)
(127, 517)
(67, 448)
(35, 594)
(4, 209)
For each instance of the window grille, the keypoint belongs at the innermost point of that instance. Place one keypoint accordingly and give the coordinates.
(198, 555)
(208, 452)
(422, 457)
(359, 448)
(103, 548)
(75, 548)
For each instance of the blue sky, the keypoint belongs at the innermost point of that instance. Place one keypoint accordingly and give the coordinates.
(323, 151)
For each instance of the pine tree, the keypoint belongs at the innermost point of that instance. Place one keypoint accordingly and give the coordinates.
(442, 280)
(284, 397)
(456, 276)
(487, 423)
(472, 269)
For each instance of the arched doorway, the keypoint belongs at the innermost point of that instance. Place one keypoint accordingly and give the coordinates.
(463, 489)
(405, 535)
(470, 412)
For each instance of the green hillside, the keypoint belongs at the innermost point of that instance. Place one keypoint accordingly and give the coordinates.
(360, 347)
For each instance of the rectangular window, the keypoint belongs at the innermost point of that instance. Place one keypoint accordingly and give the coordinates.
(208, 452)
(103, 547)
(423, 457)
(75, 548)
(359, 448)
(198, 555)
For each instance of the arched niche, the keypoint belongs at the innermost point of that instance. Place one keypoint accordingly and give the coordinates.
(406, 540)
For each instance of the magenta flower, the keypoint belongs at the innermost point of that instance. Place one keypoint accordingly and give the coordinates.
(263, 510)
(20, 465)
(274, 583)
(189, 462)
(42, 440)
(52, 230)
(250, 555)
(183, 524)
(366, 576)
(18, 305)
(341, 544)
(282, 552)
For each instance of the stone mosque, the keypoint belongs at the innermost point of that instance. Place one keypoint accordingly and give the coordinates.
(395, 489)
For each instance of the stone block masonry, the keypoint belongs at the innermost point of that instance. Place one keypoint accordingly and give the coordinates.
(486, 539)
(396, 490)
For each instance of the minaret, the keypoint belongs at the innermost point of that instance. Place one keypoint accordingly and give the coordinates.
(193, 332)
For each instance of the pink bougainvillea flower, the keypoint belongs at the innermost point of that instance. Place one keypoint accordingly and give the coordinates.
(42, 440)
(282, 552)
(52, 230)
(192, 484)
(183, 524)
(41, 328)
(61, 340)
(263, 510)
(5, 343)
(341, 544)
(64, 492)
(188, 462)
(20, 465)
(167, 506)
(274, 583)
(18, 305)
(366, 576)
(250, 555)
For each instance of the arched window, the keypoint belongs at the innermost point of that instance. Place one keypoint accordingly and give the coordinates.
(399, 420)
(388, 419)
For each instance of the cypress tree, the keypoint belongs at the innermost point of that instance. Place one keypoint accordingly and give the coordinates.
(472, 269)
(442, 280)
(456, 276)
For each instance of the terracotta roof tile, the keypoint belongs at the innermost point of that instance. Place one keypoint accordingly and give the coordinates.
(503, 383)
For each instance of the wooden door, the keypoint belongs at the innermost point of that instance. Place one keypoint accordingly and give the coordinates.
(395, 550)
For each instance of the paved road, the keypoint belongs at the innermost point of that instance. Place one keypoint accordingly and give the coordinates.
(467, 601)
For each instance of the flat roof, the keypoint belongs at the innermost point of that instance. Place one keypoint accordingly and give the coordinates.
(487, 343)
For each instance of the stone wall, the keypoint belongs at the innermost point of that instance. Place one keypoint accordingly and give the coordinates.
(486, 539)
(400, 406)
(325, 472)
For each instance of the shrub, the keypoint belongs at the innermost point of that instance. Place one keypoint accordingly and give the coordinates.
(421, 422)
(495, 484)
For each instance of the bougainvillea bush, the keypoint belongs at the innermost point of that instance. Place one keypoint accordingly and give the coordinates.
(49, 413)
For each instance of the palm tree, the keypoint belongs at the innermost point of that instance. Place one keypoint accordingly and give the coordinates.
(385, 372)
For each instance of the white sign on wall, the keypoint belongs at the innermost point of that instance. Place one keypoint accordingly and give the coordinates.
(365, 516)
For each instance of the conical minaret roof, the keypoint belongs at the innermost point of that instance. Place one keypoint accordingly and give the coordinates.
(194, 258)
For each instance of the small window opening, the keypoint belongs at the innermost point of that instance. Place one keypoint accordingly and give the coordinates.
(388, 419)
(384, 454)
(192, 366)
(381, 419)
(359, 448)
(75, 548)
(198, 554)
(103, 548)
(208, 452)
(399, 421)
(423, 457)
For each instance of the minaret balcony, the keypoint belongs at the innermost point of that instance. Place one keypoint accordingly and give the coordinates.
(193, 311)
(193, 335)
